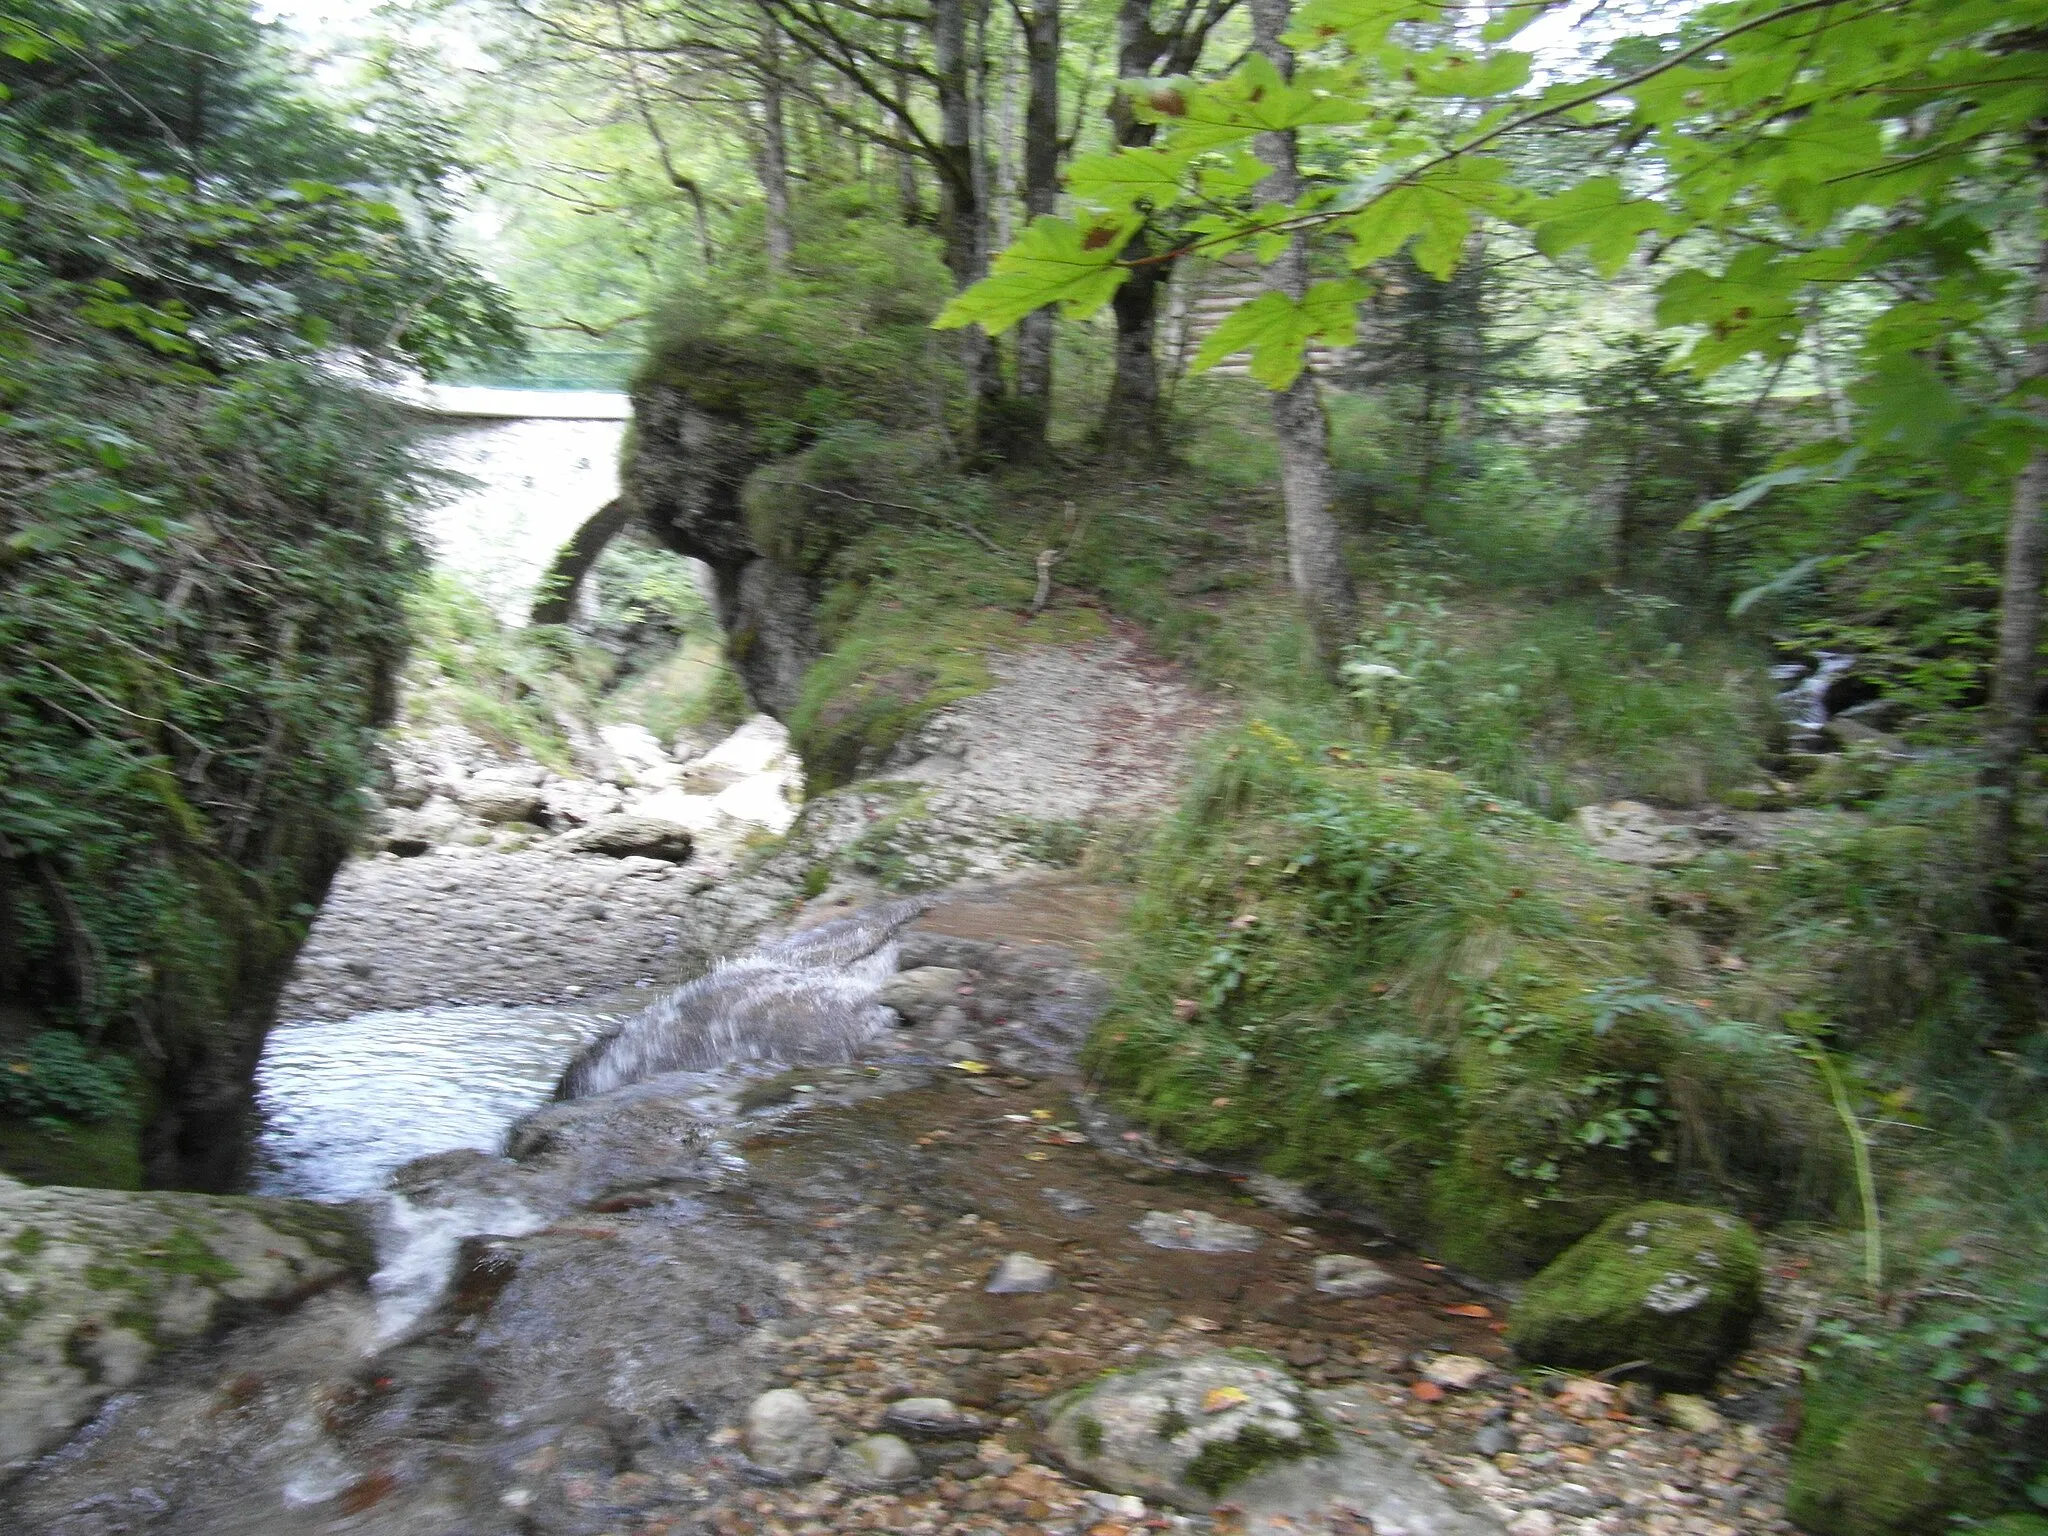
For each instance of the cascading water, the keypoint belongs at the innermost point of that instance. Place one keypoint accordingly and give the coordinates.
(1805, 704)
(809, 999)
(346, 1103)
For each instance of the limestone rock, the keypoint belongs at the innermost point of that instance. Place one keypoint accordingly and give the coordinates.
(1674, 1285)
(877, 1461)
(638, 759)
(923, 993)
(1632, 833)
(500, 796)
(1187, 1432)
(1197, 1231)
(628, 836)
(1344, 1274)
(760, 746)
(578, 802)
(785, 1436)
(1021, 1274)
(94, 1282)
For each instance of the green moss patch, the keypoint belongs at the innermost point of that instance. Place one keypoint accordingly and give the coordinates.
(1674, 1287)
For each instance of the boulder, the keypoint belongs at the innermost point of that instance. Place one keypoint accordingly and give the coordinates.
(1197, 1231)
(760, 746)
(95, 1283)
(631, 836)
(784, 1435)
(921, 994)
(1187, 1432)
(877, 1461)
(636, 758)
(500, 796)
(1675, 1286)
(578, 802)
(1235, 1426)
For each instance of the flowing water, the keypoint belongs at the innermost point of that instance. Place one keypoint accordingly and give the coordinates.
(345, 1102)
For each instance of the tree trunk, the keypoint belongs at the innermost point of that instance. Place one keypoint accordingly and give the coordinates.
(2016, 677)
(1315, 550)
(1131, 420)
(910, 204)
(772, 155)
(1041, 28)
(962, 214)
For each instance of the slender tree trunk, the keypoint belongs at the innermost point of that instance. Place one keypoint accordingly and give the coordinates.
(910, 204)
(1131, 419)
(1041, 28)
(961, 212)
(1006, 148)
(772, 154)
(2016, 676)
(1315, 550)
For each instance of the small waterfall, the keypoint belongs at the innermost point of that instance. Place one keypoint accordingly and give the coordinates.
(1805, 704)
(807, 999)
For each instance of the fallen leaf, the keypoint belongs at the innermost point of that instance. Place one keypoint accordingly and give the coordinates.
(1202, 1325)
(975, 1067)
(1219, 1103)
(1041, 1114)
(1221, 1399)
(1185, 1008)
(1468, 1309)
(1037, 1157)
(1427, 1392)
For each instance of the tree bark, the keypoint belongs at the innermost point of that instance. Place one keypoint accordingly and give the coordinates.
(1132, 418)
(1315, 549)
(962, 213)
(772, 154)
(2016, 675)
(1040, 25)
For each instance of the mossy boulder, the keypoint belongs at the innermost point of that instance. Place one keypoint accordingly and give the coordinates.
(1674, 1286)
(1872, 1461)
(95, 1283)
(2015, 1525)
(1187, 1432)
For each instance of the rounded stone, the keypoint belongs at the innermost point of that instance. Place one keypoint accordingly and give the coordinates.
(1344, 1274)
(784, 1435)
(1021, 1274)
(877, 1461)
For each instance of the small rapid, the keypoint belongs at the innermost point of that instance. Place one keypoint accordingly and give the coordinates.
(344, 1102)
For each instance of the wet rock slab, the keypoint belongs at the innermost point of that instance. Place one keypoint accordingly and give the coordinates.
(95, 1283)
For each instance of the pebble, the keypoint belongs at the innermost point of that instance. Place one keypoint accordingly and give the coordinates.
(1197, 1231)
(1461, 1373)
(1344, 1274)
(937, 1417)
(877, 1461)
(1021, 1274)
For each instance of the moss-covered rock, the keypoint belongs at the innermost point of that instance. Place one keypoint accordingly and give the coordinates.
(1871, 1460)
(1675, 1286)
(95, 1283)
(1187, 1432)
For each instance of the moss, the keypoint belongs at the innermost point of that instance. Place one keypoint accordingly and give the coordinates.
(2014, 1525)
(815, 879)
(30, 1241)
(1674, 1286)
(1871, 1461)
(909, 627)
(1223, 1464)
(1088, 1431)
(107, 1155)
(1171, 1423)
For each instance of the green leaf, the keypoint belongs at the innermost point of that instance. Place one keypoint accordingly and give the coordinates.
(1276, 330)
(1598, 214)
(1460, 74)
(1118, 180)
(1436, 210)
(1055, 261)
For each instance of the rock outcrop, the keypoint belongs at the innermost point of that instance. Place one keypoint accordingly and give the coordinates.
(95, 1283)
